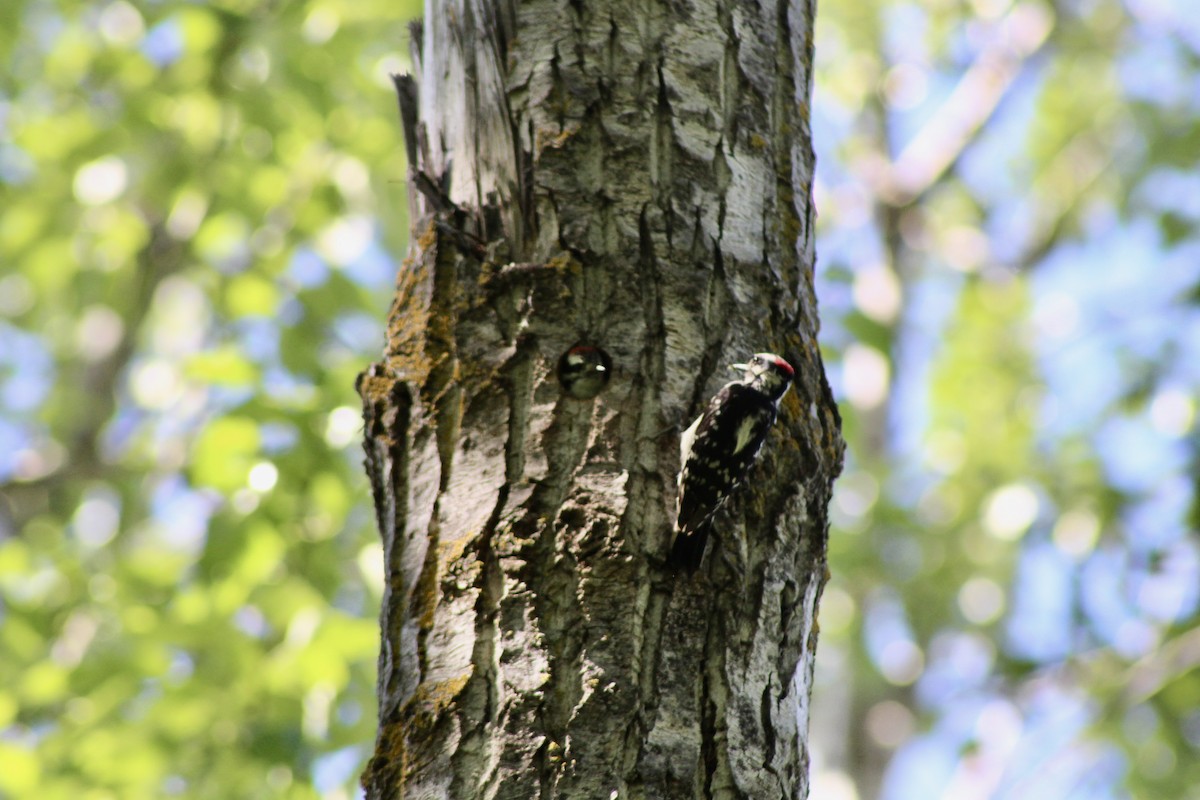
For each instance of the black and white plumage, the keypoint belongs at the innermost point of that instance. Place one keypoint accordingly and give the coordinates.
(584, 371)
(719, 448)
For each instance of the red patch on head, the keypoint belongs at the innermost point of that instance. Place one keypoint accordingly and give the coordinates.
(785, 366)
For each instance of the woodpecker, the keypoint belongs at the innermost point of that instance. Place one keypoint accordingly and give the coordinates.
(718, 449)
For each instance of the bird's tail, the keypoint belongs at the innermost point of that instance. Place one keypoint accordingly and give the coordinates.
(688, 550)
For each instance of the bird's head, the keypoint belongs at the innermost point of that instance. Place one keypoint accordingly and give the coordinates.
(768, 373)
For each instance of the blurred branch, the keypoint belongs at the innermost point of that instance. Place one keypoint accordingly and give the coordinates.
(1118, 686)
(941, 143)
(161, 257)
(1077, 166)
(98, 382)
(1155, 670)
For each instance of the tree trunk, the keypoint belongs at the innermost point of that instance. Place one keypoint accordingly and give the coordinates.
(635, 177)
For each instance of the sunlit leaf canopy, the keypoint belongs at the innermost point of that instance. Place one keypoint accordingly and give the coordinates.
(203, 207)
(1009, 273)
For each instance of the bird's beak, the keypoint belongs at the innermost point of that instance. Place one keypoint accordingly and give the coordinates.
(740, 367)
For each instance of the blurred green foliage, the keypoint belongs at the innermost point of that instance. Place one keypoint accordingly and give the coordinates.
(1008, 244)
(191, 279)
(199, 201)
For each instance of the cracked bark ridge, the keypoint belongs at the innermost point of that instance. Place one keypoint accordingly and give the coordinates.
(637, 176)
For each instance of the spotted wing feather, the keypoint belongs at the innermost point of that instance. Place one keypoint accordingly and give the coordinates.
(724, 443)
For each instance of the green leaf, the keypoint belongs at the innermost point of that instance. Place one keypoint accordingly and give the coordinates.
(251, 295)
(224, 366)
(224, 452)
(22, 770)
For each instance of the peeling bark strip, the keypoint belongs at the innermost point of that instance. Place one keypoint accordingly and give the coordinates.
(635, 176)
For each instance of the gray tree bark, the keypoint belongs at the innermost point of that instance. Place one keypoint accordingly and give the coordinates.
(635, 176)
